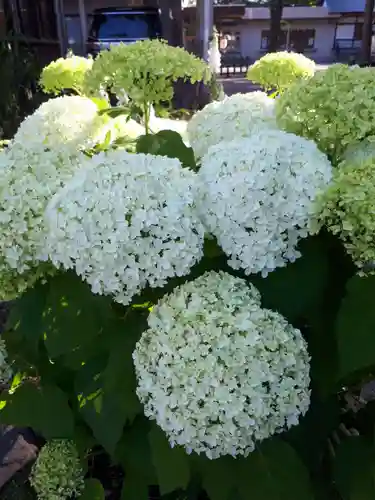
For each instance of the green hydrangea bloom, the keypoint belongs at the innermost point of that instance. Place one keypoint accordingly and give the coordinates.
(279, 70)
(335, 107)
(57, 473)
(347, 208)
(360, 151)
(65, 73)
(145, 69)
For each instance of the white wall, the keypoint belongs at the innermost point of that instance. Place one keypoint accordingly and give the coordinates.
(324, 38)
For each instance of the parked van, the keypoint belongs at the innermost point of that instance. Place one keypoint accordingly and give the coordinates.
(122, 25)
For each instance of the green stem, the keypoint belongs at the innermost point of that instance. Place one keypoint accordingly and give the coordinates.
(146, 116)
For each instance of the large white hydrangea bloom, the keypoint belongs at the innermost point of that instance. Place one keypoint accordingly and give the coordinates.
(240, 115)
(257, 197)
(127, 223)
(28, 179)
(69, 122)
(216, 371)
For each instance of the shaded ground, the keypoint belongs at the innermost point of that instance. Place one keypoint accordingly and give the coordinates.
(239, 84)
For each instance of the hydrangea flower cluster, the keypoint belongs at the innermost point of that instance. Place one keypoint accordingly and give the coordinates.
(40, 159)
(68, 123)
(57, 473)
(145, 69)
(348, 208)
(27, 182)
(66, 73)
(257, 197)
(216, 371)
(240, 115)
(126, 223)
(279, 70)
(335, 107)
(360, 151)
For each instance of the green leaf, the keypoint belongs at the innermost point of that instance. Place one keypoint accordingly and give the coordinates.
(74, 314)
(98, 409)
(115, 112)
(295, 290)
(45, 409)
(134, 488)
(102, 104)
(167, 143)
(26, 315)
(106, 385)
(93, 490)
(171, 464)
(355, 327)
(354, 469)
(273, 472)
(218, 477)
(134, 451)
(310, 436)
(119, 376)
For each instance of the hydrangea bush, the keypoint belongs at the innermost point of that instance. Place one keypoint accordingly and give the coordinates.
(277, 71)
(250, 374)
(240, 115)
(57, 473)
(196, 317)
(335, 108)
(146, 70)
(65, 74)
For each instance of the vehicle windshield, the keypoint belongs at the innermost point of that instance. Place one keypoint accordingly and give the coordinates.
(126, 25)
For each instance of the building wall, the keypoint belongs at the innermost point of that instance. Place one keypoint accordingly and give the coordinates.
(251, 38)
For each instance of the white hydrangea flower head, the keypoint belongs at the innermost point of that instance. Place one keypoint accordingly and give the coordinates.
(216, 371)
(57, 473)
(127, 223)
(256, 196)
(240, 115)
(68, 122)
(28, 179)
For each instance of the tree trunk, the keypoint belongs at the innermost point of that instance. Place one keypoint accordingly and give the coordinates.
(276, 13)
(367, 32)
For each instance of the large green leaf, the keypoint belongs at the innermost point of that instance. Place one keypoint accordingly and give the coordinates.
(309, 437)
(171, 464)
(26, 316)
(218, 477)
(43, 408)
(74, 315)
(134, 451)
(166, 143)
(98, 409)
(355, 327)
(295, 290)
(134, 487)
(354, 469)
(273, 472)
(106, 385)
(93, 490)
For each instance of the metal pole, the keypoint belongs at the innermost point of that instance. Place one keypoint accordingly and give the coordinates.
(15, 17)
(367, 32)
(205, 17)
(83, 21)
(60, 23)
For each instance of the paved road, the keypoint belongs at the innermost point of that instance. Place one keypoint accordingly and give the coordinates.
(239, 84)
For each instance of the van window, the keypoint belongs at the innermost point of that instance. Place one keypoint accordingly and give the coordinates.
(126, 25)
